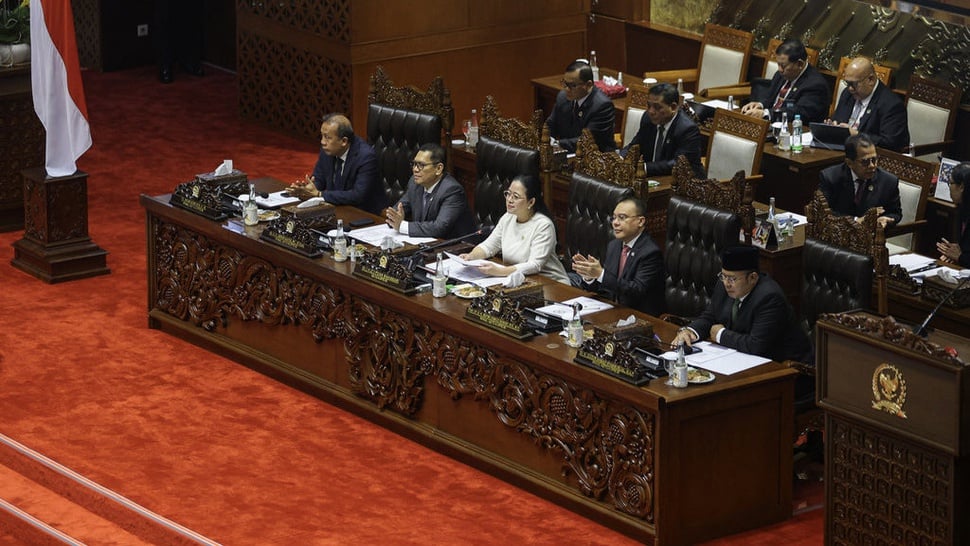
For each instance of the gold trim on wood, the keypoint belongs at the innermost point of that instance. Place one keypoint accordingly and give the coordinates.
(435, 101)
(735, 195)
(510, 130)
(609, 166)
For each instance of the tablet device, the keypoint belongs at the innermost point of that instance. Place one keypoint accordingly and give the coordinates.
(830, 137)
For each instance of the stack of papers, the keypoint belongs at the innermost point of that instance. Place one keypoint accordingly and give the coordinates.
(919, 267)
(276, 200)
(564, 310)
(719, 359)
(374, 236)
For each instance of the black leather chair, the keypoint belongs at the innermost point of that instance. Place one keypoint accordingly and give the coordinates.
(399, 121)
(703, 218)
(506, 147)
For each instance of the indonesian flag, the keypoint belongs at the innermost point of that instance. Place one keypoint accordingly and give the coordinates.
(57, 88)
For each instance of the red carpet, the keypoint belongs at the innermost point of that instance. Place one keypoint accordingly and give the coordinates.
(201, 440)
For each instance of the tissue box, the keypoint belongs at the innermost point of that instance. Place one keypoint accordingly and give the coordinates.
(321, 211)
(220, 179)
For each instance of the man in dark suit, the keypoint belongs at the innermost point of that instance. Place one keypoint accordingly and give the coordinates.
(346, 170)
(857, 185)
(580, 105)
(666, 133)
(797, 88)
(958, 252)
(868, 106)
(435, 202)
(633, 272)
(748, 312)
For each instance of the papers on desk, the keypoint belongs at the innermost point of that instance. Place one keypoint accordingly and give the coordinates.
(276, 200)
(564, 310)
(719, 359)
(716, 103)
(919, 267)
(458, 269)
(374, 235)
(466, 263)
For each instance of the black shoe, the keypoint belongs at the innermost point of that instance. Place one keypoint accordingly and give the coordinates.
(165, 74)
(195, 69)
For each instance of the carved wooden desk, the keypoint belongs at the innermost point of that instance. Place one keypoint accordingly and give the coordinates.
(663, 465)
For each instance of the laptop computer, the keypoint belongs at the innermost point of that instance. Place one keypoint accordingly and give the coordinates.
(830, 137)
(702, 111)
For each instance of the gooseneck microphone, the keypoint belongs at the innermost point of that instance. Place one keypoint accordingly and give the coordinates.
(414, 258)
(921, 329)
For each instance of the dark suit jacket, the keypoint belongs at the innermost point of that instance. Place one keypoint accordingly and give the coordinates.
(597, 113)
(683, 138)
(358, 185)
(836, 184)
(884, 119)
(766, 324)
(447, 215)
(809, 96)
(642, 284)
(964, 260)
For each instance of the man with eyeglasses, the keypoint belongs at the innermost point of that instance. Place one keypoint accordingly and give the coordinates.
(868, 106)
(346, 170)
(748, 312)
(632, 273)
(796, 88)
(666, 133)
(434, 204)
(858, 184)
(580, 105)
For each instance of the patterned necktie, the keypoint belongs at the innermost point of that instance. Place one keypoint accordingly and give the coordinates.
(780, 101)
(623, 255)
(660, 143)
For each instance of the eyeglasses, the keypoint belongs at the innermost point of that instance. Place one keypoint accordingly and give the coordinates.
(512, 196)
(854, 84)
(571, 85)
(729, 279)
(868, 161)
(421, 166)
(623, 217)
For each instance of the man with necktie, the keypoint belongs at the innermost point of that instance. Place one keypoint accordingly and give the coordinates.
(632, 273)
(667, 133)
(346, 170)
(434, 202)
(748, 312)
(581, 105)
(958, 252)
(868, 106)
(797, 88)
(857, 185)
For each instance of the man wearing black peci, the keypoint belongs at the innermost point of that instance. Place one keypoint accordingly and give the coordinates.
(632, 273)
(434, 201)
(666, 133)
(581, 105)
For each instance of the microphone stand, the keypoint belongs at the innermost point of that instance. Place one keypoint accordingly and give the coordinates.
(921, 329)
(413, 259)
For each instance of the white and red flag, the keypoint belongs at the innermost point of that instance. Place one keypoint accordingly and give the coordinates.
(57, 88)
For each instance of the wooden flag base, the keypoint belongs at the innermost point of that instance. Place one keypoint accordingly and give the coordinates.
(56, 246)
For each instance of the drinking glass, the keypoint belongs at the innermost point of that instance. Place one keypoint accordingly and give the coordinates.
(466, 127)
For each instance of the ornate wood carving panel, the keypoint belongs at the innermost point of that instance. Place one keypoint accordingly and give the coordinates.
(885, 491)
(608, 447)
(52, 210)
(22, 142)
(330, 19)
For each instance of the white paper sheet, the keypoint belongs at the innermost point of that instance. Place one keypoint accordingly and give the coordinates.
(564, 310)
(464, 273)
(468, 263)
(374, 235)
(719, 359)
(911, 262)
(275, 200)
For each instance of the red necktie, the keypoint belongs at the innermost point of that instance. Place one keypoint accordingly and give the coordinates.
(623, 255)
(780, 101)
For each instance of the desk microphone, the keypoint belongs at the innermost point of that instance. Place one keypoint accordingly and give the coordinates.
(413, 260)
(921, 329)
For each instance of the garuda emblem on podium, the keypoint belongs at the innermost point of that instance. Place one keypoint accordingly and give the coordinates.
(889, 390)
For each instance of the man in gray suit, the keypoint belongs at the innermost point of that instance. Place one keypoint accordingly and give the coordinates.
(434, 204)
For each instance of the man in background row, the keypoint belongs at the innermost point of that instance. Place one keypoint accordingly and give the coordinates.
(868, 106)
(666, 133)
(858, 184)
(578, 106)
(346, 170)
(797, 88)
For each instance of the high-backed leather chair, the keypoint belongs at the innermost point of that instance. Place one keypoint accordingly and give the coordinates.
(506, 147)
(915, 178)
(736, 143)
(931, 111)
(723, 61)
(703, 218)
(399, 121)
(599, 181)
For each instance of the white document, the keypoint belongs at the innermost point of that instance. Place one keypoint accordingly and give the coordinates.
(468, 263)
(464, 273)
(564, 310)
(719, 359)
(275, 200)
(374, 235)
(911, 262)
(716, 103)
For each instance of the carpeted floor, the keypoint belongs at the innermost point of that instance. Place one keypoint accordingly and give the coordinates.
(200, 439)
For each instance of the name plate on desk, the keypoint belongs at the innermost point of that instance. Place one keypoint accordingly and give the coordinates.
(293, 234)
(631, 359)
(387, 269)
(501, 313)
(206, 199)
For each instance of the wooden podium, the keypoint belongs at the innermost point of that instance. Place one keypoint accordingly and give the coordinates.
(897, 425)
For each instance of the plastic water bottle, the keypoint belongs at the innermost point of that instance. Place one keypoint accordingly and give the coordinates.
(619, 78)
(594, 66)
(796, 134)
(473, 130)
(439, 283)
(731, 102)
(784, 137)
(340, 243)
